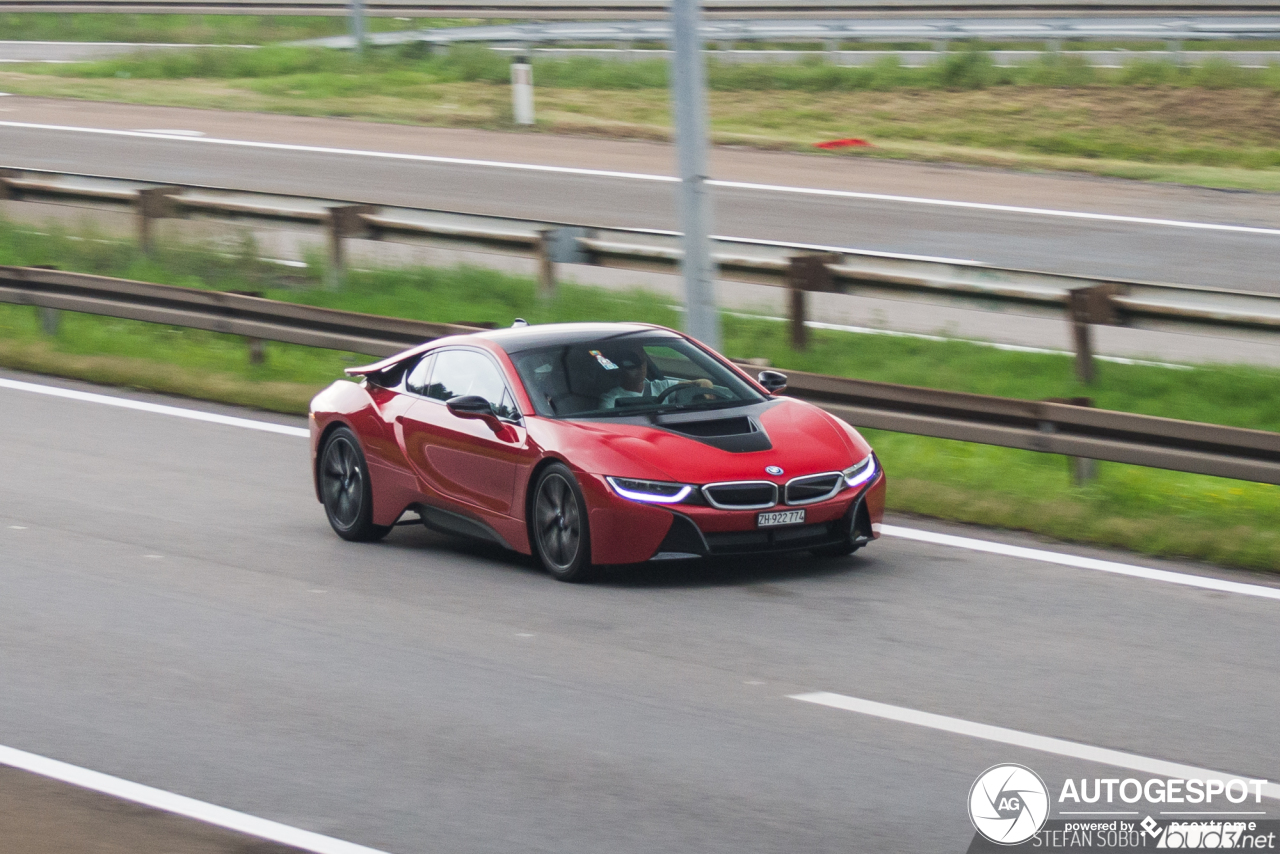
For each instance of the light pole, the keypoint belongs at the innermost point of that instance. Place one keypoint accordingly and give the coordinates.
(689, 94)
(357, 25)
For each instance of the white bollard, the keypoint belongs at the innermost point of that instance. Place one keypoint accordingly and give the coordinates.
(522, 90)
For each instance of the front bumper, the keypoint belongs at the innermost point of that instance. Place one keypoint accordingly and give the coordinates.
(852, 521)
(624, 531)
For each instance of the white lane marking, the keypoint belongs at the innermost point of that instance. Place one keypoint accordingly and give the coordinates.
(889, 530)
(1017, 738)
(668, 179)
(354, 152)
(1015, 209)
(179, 804)
(172, 132)
(1077, 562)
(157, 408)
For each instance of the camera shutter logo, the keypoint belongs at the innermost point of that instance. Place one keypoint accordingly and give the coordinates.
(1008, 804)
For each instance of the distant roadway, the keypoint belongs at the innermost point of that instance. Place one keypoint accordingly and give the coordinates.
(177, 613)
(1074, 224)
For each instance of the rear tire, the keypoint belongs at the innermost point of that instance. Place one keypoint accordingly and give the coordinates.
(346, 490)
(558, 525)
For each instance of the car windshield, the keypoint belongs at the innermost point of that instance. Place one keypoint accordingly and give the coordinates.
(628, 375)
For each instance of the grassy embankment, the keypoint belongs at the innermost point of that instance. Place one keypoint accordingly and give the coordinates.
(1213, 125)
(1161, 513)
(189, 29)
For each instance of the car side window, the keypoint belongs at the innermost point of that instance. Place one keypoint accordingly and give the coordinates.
(466, 372)
(417, 381)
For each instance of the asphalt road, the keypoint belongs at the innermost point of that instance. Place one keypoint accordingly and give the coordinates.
(1007, 238)
(176, 612)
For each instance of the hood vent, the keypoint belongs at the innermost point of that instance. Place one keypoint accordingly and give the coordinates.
(739, 434)
(719, 427)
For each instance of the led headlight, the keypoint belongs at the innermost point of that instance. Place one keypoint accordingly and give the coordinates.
(650, 491)
(855, 476)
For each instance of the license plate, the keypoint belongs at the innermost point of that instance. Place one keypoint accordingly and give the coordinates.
(780, 517)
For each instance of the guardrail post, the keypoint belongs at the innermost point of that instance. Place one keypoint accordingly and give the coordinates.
(1083, 470)
(546, 264)
(558, 246)
(806, 273)
(7, 190)
(50, 321)
(1089, 306)
(257, 346)
(154, 203)
(344, 221)
(50, 318)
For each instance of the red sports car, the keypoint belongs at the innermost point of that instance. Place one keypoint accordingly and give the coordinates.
(589, 444)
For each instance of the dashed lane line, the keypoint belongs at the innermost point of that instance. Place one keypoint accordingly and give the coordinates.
(1017, 738)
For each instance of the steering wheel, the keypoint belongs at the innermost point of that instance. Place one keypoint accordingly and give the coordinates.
(694, 391)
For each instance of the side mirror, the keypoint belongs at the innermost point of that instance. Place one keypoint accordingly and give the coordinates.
(773, 381)
(475, 406)
(472, 406)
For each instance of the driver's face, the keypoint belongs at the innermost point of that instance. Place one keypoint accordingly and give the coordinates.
(633, 371)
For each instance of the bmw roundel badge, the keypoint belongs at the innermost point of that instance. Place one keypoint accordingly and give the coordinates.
(774, 470)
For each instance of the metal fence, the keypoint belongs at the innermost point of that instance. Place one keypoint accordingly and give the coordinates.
(1056, 427)
(801, 268)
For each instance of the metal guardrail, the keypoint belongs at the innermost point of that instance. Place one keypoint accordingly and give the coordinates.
(908, 58)
(1155, 26)
(631, 9)
(1048, 427)
(1087, 301)
(802, 268)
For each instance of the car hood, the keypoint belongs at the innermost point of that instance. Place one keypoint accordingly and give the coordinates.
(801, 440)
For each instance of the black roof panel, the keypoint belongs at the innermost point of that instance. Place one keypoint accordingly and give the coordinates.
(519, 338)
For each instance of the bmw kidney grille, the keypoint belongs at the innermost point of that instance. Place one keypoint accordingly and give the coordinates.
(814, 488)
(741, 495)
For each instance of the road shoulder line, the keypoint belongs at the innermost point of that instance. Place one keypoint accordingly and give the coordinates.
(179, 804)
(1078, 562)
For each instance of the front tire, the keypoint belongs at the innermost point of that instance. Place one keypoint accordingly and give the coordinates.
(558, 525)
(345, 489)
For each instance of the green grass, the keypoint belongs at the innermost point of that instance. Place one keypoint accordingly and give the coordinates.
(960, 70)
(1160, 513)
(188, 29)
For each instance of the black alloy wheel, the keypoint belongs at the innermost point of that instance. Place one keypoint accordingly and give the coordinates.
(558, 524)
(345, 489)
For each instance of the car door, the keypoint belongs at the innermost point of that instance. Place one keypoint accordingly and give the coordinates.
(463, 459)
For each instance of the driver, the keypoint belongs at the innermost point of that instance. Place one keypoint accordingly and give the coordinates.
(632, 382)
